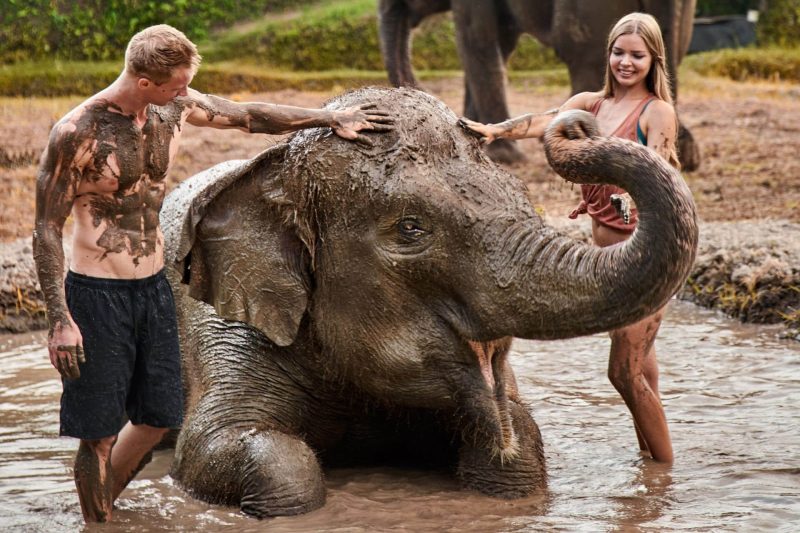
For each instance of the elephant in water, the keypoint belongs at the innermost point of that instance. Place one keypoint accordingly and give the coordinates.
(341, 303)
(487, 32)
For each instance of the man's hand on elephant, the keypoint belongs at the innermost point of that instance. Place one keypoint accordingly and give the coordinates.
(348, 122)
(623, 203)
(65, 345)
(485, 132)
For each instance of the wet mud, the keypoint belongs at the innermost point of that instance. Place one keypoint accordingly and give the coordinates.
(727, 390)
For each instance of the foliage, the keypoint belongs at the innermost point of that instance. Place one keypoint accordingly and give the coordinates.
(776, 64)
(780, 24)
(100, 29)
(333, 35)
(344, 34)
(325, 34)
(712, 8)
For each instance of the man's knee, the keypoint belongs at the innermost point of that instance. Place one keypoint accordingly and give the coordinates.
(151, 433)
(99, 447)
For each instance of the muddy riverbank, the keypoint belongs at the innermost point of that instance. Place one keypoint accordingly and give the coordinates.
(747, 189)
(749, 270)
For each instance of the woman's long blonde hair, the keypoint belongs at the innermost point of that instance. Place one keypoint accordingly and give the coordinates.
(646, 27)
(658, 81)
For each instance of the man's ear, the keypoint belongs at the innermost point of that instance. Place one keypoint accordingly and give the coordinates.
(144, 83)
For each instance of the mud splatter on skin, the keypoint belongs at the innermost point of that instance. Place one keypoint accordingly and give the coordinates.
(140, 160)
(56, 184)
(93, 479)
(99, 142)
(262, 118)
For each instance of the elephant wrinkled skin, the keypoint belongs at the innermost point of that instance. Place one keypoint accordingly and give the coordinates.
(346, 304)
(487, 32)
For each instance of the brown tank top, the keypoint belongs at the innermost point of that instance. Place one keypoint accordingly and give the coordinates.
(597, 198)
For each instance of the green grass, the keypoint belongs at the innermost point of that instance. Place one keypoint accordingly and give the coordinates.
(67, 78)
(773, 64)
(344, 34)
(334, 43)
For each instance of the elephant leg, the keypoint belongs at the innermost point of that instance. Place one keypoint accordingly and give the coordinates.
(264, 472)
(503, 150)
(506, 476)
(688, 149)
(469, 106)
(477, 32)
(395, 32)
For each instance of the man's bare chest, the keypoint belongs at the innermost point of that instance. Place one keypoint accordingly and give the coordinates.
(130, 156)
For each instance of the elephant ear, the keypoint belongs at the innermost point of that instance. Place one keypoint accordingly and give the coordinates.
(229, 232)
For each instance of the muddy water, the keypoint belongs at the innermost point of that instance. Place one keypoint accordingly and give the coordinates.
(731, 391)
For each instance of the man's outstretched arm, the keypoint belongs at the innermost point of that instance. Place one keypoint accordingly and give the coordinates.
(259, 117)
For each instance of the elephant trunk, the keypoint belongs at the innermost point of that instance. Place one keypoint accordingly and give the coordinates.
(395, 36)
(556, 287)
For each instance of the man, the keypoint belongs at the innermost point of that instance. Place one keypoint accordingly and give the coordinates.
(105, 165)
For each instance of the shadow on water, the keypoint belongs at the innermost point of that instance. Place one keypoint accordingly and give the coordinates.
(731, 393)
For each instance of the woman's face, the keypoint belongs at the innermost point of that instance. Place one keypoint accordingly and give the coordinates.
(630, 60)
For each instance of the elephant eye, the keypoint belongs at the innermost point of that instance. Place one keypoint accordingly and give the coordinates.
(410, 229)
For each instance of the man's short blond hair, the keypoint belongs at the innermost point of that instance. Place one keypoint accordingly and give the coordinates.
(156, 52)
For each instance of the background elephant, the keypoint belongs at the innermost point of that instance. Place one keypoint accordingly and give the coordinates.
(359, 301)
(487, 32)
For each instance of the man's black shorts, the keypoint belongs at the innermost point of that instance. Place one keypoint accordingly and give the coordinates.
(130, 338)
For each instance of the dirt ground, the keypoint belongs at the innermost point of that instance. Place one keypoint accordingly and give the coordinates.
(749, 136)
(749, 178)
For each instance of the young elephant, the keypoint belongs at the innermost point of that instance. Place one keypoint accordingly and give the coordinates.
(347, 303)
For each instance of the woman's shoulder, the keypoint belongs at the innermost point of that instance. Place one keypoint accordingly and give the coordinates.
(658, 108)
(584, 100)
(658, 114)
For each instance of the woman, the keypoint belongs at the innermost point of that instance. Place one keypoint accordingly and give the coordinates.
(635, 104)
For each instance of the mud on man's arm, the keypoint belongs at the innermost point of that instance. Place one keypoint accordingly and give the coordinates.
(260, 117)
(56, 186)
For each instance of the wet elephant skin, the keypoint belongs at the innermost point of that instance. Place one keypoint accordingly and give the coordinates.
(348, 304)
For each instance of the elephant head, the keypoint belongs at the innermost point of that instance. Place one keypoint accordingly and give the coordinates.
(401, 269)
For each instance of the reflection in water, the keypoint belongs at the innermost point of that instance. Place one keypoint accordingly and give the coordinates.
(731, 394)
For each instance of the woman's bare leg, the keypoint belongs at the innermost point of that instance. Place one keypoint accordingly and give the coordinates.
(633, 370)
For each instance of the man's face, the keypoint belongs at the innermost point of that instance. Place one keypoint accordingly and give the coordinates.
(164, 93)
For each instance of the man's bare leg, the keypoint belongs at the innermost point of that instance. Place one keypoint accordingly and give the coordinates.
(132, 447)
(633, 370)
(94, 478)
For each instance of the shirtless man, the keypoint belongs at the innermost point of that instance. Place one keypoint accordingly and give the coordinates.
(105, 164)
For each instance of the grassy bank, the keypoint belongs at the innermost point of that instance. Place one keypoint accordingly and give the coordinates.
(344, 34)
(65, 78)
(333, 44)
(62, 78)
(773, 64)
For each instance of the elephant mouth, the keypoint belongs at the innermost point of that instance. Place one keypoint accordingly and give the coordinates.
(494, 418)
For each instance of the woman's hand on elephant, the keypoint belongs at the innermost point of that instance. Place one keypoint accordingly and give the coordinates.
(348, 122)
(485, 132)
